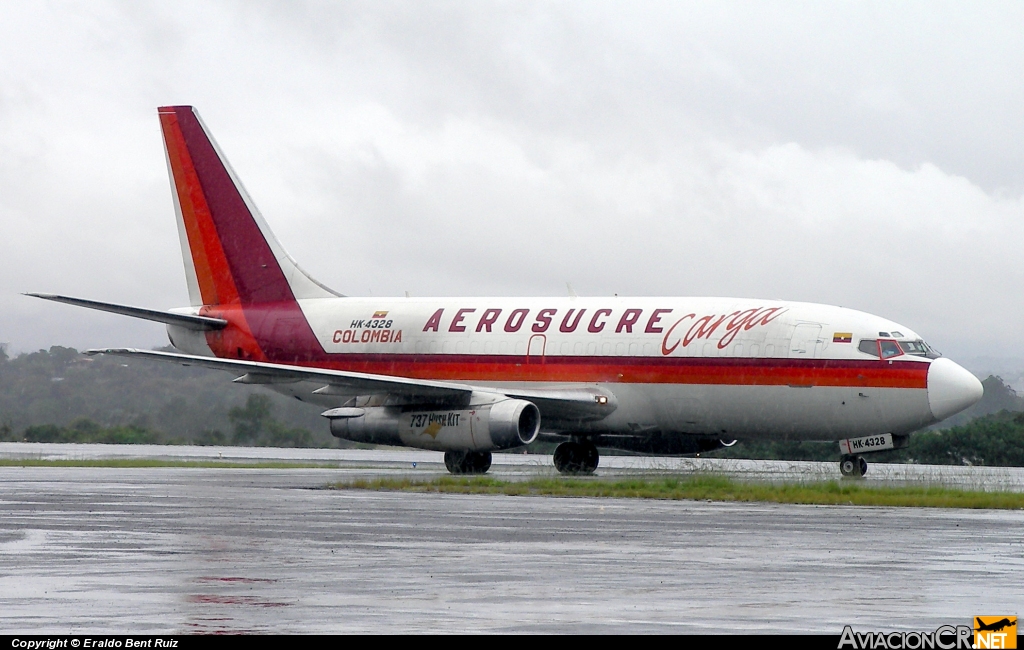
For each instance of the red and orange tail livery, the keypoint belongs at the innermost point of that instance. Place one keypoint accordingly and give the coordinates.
(235, 268)
(231, 256)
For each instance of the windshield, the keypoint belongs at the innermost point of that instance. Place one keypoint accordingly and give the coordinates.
(887, 348)
(919, 348)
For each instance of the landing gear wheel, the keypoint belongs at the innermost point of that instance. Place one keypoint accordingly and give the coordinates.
(854, 466)
(467, 462)
(576, 458)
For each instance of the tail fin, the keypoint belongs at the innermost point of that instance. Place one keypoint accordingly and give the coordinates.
(229, 252)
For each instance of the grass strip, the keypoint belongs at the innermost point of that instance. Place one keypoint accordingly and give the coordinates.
(708, 487)
(151, 462)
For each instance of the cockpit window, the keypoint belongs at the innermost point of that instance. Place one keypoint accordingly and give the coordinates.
(889, 349)
(919, 348)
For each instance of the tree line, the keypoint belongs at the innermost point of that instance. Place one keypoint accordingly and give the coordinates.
(59, 395)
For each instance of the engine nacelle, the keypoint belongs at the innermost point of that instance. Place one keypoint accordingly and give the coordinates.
(501, 425)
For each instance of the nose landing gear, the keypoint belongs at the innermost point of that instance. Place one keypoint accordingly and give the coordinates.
(854, 466)
(576, 457)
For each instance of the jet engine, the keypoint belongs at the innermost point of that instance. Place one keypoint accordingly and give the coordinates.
(488, 427)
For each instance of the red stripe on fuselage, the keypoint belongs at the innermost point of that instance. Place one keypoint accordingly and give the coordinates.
(636, 370)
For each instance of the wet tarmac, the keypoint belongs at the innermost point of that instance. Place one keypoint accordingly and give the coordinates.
(512, 465)
(179, 550)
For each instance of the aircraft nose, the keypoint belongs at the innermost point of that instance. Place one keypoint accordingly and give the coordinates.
(951, 388)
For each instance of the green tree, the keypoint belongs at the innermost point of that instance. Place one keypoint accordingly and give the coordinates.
(211, 438)
(58, 386)
(283, 436)
(44, 433)
(250, 420)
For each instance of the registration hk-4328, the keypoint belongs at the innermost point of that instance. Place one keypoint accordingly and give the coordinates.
(879, 442)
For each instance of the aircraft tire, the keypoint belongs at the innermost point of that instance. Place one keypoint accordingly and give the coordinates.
(481, 462)
(846, 465)
(453, 461)
(853, 466)
(576, 458)
(590, 457)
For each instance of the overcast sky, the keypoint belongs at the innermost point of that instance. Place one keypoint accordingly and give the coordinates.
(869, 155)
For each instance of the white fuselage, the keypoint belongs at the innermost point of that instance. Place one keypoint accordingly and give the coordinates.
(734, 368)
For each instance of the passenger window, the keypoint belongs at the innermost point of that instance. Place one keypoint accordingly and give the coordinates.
(869, 346)
(889, 349)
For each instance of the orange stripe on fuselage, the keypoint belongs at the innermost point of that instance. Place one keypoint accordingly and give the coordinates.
(637, 370)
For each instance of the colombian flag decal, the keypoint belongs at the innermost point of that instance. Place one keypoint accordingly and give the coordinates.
(380, 314)
(842, 337)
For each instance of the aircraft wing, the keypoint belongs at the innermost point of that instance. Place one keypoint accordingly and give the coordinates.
(559, 404)
(257, 372)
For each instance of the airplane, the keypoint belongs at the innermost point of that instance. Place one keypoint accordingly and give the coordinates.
(995, 626)
(471, 376)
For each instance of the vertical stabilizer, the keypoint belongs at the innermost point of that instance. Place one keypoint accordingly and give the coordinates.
(231, 256)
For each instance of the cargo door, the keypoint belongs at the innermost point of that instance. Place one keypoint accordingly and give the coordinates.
(806, 342)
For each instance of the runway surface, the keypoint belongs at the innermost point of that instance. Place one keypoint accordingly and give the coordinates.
(92, 550)
(510, 465)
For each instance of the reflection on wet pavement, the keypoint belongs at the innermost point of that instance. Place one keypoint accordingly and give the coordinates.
(256, 550)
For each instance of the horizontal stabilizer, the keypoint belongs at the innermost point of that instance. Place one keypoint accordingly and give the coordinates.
(170, 318)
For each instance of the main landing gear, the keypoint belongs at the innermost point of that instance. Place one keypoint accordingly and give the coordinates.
(576, 457)
(854, 466)
(467, 462)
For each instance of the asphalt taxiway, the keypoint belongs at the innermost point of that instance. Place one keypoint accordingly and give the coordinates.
(92, 550)
(512, 465)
